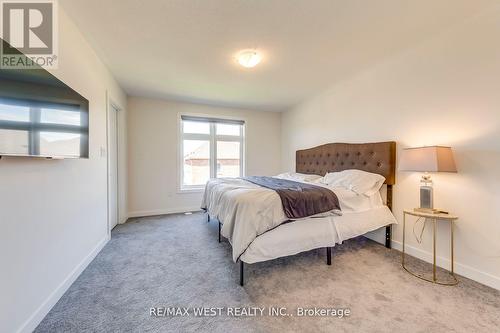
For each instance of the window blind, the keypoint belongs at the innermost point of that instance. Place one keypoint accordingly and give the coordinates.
(213, 120)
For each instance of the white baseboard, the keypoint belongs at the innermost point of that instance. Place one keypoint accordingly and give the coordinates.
(461, 269)
(165, 211)
(35, 319)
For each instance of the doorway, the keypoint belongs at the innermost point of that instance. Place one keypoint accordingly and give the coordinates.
(113, 206)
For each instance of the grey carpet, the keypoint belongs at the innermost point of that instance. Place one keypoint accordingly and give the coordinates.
(175, 260)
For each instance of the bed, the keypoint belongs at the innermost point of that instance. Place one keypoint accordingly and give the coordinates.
(252, 217)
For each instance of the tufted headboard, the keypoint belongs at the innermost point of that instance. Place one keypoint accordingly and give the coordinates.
(379, 157)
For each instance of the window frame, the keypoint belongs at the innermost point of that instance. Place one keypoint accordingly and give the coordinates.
(213, 138)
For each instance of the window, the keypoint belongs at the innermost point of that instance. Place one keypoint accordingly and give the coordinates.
(210, 148)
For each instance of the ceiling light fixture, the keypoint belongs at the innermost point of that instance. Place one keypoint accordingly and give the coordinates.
(249, 58)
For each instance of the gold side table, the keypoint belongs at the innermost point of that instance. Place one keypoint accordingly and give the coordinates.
(434, 217)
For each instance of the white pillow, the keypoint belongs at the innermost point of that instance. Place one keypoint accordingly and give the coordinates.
(358, 181)
(301, 177)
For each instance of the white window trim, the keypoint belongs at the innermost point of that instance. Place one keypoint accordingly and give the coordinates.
(213, 138)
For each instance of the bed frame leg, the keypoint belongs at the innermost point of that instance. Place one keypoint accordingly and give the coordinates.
(329, 256)
(208, 218)
(242, 266)
(219, 231)
(388, 232)
(388, 229)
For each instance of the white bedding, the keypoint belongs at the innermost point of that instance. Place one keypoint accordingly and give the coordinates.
(299, 236)
(249, 211)
(245, 209)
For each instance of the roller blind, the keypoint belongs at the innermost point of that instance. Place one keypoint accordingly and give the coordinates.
(213, 120)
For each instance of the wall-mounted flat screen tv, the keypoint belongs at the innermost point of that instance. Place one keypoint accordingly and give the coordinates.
(41, 116)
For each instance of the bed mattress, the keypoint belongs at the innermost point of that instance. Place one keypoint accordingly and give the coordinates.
(248, 211)
(304, 235)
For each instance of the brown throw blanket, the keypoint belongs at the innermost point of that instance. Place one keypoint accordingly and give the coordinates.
(299, 199)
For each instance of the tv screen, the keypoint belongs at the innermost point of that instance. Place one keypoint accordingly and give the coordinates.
(41, 116)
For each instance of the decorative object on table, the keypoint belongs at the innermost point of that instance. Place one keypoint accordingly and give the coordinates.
(427, 159)
(435, 218)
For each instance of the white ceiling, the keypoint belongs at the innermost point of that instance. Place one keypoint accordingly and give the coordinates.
(183, 49)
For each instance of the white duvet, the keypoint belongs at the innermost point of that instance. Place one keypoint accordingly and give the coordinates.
(247, 210)
(304, 235)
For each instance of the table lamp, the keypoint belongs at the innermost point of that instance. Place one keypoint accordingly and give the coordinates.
(427, 159)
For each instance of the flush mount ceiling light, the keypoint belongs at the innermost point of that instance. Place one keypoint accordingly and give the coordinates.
(249, 58)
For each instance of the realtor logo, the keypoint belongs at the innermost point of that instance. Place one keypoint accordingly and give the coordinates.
(29, 33)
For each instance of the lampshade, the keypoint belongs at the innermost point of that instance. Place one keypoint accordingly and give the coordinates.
(427, 159)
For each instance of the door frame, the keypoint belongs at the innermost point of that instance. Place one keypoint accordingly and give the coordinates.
(112, 106)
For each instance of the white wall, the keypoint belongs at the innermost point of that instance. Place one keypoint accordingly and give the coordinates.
(445, 91)
(153, 151)
(53, 214)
